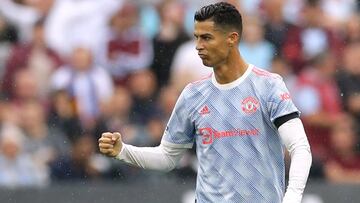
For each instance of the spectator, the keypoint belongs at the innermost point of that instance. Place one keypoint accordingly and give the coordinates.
(117, 109)
(167, 99)
(25, 88)
(116, 116)
(21, 15)
(62, 115)
(88, 84)
(142, 86)
(310, 38)
(254, 48)
(80, 164)
(43, 143)
(187, 66)
(8, 36)
(68, 22)
(17, 168)
(171, 35)
(317, 97)
(275, 25)
(338, 12)
(127, 49)
(349, 80)
(34, 56)
(281, 66)
(352, 29)
(343, 164)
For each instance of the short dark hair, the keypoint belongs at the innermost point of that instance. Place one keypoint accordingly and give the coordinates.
(223, 14)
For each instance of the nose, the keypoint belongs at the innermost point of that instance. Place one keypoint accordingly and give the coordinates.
(199, 46)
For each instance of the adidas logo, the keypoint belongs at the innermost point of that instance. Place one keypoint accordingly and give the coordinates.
(204, 110)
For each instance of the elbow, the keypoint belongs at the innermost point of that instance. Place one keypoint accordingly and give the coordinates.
(169, 168)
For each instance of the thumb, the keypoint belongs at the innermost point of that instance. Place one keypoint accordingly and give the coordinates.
(115, 136)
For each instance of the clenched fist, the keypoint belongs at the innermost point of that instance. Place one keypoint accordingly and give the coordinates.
(110, 144)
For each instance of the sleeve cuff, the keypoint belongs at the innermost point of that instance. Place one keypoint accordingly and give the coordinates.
(121, 155)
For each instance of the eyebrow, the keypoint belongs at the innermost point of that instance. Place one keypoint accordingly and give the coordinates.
(203, 35)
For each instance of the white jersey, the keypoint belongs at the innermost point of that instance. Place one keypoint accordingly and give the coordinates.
(241, 158)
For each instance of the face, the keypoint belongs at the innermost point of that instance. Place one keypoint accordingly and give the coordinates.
(212, 43)
(82, 59)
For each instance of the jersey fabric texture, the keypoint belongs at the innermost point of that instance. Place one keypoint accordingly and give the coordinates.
(240, 155)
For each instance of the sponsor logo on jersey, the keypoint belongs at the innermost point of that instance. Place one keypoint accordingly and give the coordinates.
(250, 105)
(209, 134)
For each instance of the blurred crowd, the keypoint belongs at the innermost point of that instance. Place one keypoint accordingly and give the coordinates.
(72, 69)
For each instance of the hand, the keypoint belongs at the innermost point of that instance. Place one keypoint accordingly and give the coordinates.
(110, 144)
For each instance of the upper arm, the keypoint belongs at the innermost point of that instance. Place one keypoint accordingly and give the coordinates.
(292, 135)
(279, 101)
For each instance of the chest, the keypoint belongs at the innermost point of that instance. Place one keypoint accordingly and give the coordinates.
(229, 113)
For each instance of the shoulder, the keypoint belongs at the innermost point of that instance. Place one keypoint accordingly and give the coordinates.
(197, 87)
(200, 84)
(265, 77)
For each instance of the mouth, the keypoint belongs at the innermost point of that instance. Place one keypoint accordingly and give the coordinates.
(202, 56)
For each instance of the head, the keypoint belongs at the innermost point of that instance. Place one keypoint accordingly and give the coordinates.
(126, 17)
(142, 84)
(218, 29)
(32, 115)
(42, 6)
(281, 66)
(121, 101)
(325, 63)
(176, 16)
(82, 59)
(254, 31)
(83, 149)
(11, 141)
(344, 134)
(26, 87)
(351, 57)
(312, 13)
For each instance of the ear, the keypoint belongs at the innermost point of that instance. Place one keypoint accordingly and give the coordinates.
(233, 39)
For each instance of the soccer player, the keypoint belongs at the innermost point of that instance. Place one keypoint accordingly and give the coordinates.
(239, 118)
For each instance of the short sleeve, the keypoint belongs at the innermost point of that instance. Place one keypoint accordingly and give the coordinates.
(180, 129)
(279, 101)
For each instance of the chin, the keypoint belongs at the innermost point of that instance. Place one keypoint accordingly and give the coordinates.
(207, 64)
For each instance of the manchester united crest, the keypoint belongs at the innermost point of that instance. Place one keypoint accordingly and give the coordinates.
(250, 105)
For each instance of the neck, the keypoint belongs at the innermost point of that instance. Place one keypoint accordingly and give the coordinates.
(233, 68)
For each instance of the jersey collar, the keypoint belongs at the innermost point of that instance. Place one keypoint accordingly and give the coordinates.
(234, 83)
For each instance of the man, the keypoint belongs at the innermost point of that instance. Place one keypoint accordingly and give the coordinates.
(238, 117)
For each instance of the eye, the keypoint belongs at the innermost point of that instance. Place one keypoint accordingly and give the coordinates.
(206, 38)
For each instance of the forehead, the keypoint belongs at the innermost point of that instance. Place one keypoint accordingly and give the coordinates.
(203, 27)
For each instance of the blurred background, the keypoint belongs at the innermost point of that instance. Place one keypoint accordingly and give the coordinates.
(72, 69)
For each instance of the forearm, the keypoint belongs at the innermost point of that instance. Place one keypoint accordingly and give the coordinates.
(294, 138)
(162, 158)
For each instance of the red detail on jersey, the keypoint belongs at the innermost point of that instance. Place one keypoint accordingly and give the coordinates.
(209, 134)
(250, 105)
(285, 96)
(261, 72)
(265, 73)
(202, 79)
(205, 110)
